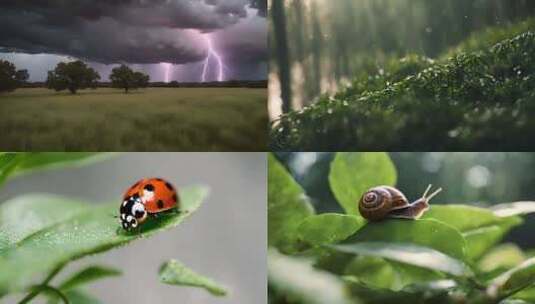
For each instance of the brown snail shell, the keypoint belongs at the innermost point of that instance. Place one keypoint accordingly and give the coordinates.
(388, 202)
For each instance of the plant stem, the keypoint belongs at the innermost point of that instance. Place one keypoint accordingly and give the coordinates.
(49, 278)
(56, 291)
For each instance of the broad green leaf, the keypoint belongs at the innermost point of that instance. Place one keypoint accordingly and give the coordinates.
(466, 218)
(92, 231)
(512, 281)
(478, 241)
(87, 275)
(515, 208)
(429, 292)
(75, 296)
(353, 173)
(328, 228)
(481, 227)
(24, 215)
(373, 271)
(78, 296)
(25, 162)
(409, 254)
(175, 273)
(287, 207)
(298, 282)
(527, 294)
(8, 163)
(514, 301)
(409, 275)
(41, 160)
(378, 272)
(504, 256)
(428, 233)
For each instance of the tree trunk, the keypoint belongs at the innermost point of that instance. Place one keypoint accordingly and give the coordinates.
(283, 58)
(126, 90)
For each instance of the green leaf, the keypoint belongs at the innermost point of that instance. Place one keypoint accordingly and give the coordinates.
(353, 173)
(328, 228)
(92, 231)
(378, 272)
(175, 273)
(409, 254)
(287, 207)
(428, 233)
(298, 282)
(27, 214)
(20, 163)
(481, 227)
(466, 218)
(78, 296)
(527, 294)
(504, 256)
(75, 296)
(515, 208)
(373, 271)
(429, 292)
(34, 160)
(479, 240)
(512, 281)
(8, 163)
(87, 275)
(514, 301)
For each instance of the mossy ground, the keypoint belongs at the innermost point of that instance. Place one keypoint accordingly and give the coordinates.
(477, 96)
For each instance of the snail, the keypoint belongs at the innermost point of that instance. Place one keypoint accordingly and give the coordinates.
(388, 202)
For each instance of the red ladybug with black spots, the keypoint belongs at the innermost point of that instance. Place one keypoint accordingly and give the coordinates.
(147, 197)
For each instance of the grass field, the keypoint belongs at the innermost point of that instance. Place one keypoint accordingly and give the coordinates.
(153, 119)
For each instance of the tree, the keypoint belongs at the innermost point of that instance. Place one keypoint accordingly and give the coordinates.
(123, 77)
(278, 16)
(72, 76)
(141, 80)
(10, 78)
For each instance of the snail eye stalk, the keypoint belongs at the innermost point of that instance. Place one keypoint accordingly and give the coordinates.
(428, 198)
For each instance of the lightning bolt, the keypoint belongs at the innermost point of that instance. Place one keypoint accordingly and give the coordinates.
(212, 53)
(167, 71)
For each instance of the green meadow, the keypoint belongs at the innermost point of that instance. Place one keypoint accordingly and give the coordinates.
(152, 119)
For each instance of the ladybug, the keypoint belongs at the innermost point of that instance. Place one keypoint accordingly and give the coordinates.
(148, 196)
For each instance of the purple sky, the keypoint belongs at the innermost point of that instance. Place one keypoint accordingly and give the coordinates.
(168, 39)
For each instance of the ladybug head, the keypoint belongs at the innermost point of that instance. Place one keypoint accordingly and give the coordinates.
(132, 212)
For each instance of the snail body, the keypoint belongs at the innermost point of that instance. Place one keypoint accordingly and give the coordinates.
(388, 202)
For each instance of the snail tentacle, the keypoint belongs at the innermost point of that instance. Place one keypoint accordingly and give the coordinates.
(428, 198)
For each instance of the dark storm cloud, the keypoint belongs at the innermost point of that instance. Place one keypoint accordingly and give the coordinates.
(134, 31)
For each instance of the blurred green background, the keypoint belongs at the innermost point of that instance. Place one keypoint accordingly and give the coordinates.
(480, 179)
(318, 45)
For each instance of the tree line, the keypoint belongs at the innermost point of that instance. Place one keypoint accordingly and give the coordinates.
(72, 76)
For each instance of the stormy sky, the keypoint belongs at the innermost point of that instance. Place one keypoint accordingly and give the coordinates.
(168, 39)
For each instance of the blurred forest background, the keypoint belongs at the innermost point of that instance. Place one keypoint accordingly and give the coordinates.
(318, 45)
(480, 179)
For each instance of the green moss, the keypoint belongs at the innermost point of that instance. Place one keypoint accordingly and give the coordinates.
(470, 101)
